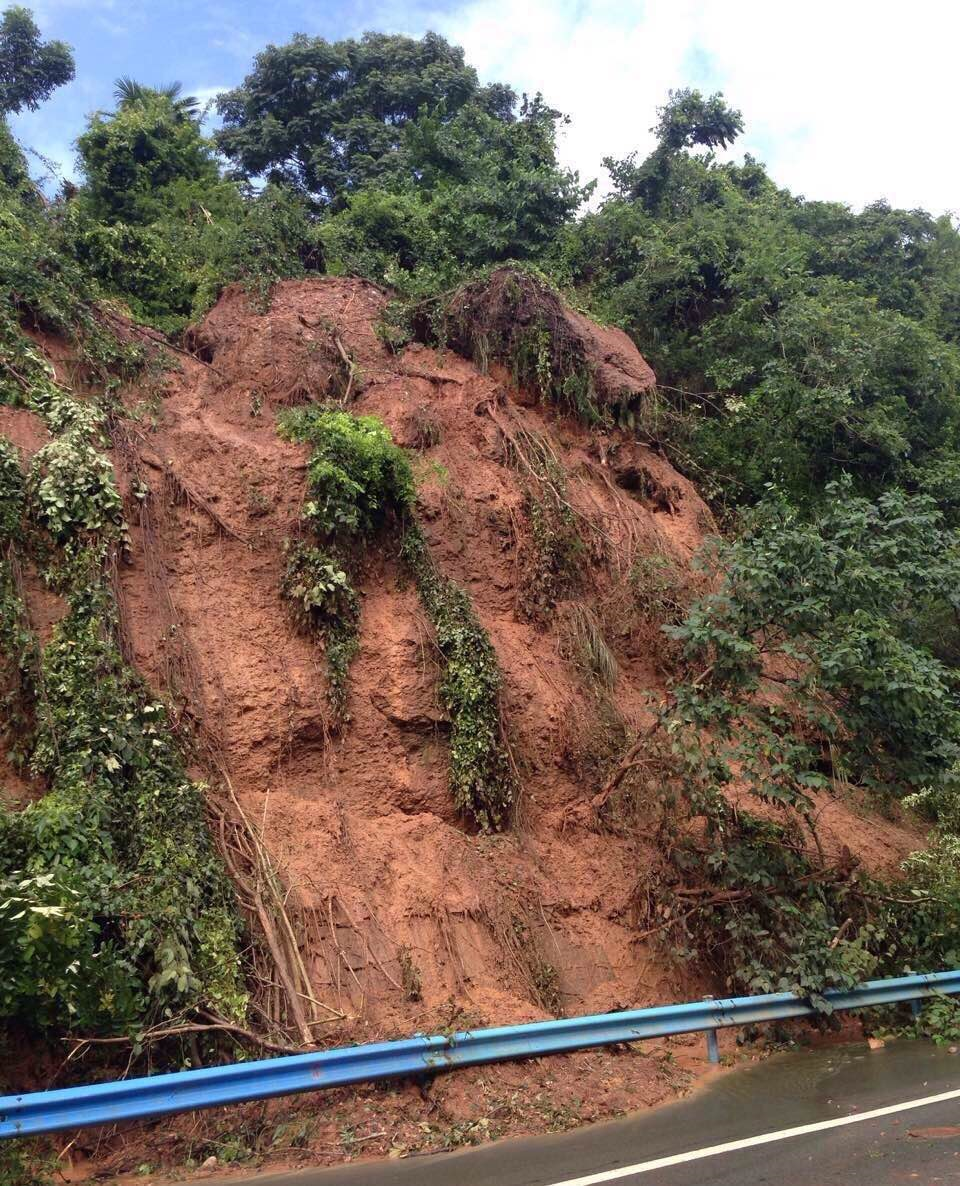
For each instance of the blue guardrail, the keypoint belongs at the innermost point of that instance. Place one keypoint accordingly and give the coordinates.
(183, 1091)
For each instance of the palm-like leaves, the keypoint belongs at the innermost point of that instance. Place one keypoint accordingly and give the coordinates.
(127, 91)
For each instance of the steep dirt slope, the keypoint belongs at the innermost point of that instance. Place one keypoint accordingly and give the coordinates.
(393, 889)
(407, 919)
(362, 824)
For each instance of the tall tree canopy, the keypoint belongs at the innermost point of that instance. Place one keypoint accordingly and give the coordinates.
(464, 193)
(30, 69)
(328, 117)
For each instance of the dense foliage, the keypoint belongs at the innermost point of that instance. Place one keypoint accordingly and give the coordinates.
(30, 69)
(833, 629)
(821, 662)
(801, 340)
(329, 117)
(359, 480)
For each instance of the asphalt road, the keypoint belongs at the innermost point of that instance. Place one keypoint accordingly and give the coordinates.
(816, 1091)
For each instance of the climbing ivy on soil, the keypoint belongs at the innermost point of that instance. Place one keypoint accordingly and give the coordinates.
(359, 481)
(11, 491)
(114, 908)
(481, 777)
(326, 604)
(72, 489)
(357, 478)
(129, 915)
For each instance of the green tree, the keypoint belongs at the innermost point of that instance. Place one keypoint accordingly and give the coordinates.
(687, 120)
(803, 340)
(328, 117)
(466, 192)
(127, 92)
(132, 156)
(30, 69)
(159, 227)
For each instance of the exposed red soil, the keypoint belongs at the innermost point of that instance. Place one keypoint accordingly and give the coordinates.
(361, 823)
(26, 430)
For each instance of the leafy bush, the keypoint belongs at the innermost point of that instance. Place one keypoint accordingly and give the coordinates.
(812, 663)
(832, 611)
(357, 475)
(272, 237)
(72, 490)
(358, 478)
(49, 951)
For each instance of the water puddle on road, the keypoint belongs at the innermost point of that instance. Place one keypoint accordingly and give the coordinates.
(804, 1086)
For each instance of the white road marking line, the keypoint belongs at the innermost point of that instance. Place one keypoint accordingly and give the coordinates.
(644, 1167)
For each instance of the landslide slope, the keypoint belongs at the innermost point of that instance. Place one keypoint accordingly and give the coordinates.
(406, 918)
(391, 885)
(391, 888)
(398, 899)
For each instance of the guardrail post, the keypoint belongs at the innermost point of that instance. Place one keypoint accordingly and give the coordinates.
(713, 1048)
(915, 1007)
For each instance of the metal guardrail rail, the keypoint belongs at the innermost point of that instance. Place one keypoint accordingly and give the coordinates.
(182, 1091)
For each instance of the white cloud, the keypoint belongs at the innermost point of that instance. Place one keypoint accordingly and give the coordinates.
(850, 100)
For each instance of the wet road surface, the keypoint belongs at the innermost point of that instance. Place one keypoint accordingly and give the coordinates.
(819, 1091)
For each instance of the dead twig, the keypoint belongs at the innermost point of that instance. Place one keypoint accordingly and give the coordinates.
(175, 1031)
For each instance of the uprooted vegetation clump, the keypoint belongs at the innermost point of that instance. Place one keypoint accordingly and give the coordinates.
(552, 559)
(514, 316)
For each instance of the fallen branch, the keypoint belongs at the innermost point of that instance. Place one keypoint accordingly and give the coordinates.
(176, 1031)
(348, 363)
(630, 761)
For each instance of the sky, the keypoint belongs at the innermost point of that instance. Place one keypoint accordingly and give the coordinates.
(844, 100)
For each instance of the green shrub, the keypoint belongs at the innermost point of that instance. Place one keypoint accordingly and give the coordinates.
(358, 478)
(812, 667)
(115, 909)
(357, 475)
